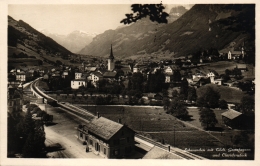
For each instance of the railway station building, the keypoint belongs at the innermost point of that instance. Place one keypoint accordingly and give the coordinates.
(107, 138)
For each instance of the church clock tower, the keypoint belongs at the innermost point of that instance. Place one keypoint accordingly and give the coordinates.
(110, 61)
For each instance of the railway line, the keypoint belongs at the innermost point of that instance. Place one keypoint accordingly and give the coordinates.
(181, 153)
(87, 116)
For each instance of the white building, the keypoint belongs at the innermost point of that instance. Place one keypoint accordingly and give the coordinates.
(78, 75)
(211, 75)
(20, 76)
(75, 84)
(95, 77)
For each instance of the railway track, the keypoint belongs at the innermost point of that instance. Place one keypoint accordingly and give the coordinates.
(84, 114)
(179, 152)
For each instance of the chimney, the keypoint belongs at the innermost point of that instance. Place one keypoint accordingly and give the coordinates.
(119, 120)
(98, 116)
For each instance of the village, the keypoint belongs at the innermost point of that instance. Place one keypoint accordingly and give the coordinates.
(206, 80)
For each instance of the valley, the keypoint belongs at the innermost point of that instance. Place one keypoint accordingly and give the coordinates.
(182, 90)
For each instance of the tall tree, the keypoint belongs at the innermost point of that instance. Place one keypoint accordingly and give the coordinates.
(184, 88)
(207, 118)
(178, 109)
(247, 104)
(192, 95)
(211, 97)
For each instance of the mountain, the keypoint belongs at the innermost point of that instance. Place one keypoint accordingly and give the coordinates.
(176, 12)
(22, 34)
(202, 27)
(74, 41)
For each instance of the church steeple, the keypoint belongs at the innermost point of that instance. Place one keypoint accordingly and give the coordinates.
(110, 61)
(111, 53)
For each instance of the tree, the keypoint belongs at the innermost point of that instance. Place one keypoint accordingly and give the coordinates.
(192, 94)
(175, 93)
(223, 104)
(247, 104)
(178, 109)
(211, 97)
(166, 103)
(154, 11)
(156, 81)
(207, 118)
(34, 144)
(184, 88)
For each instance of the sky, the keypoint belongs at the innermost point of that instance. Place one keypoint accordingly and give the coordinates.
(66, 18)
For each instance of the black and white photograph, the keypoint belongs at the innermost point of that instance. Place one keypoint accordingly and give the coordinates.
(132, 81)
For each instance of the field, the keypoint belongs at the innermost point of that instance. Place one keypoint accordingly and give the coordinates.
(229, 94)
(156, 124)
(219, 67)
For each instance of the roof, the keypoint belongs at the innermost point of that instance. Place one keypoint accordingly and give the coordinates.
(158, 153)
(241, 66)
(104, 127)
(55, 75)
(21, 73)
(236, 52)
(196, 79)
(109, 74)
(96, 74)
(79, 79)
(91, 68)
(231, 114)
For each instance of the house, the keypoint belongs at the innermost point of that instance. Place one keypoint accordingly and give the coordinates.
(211, 75)
(170, 69)
(95, 77)
(197, 82)
(109, 75)
(78, 75)
(168, 77)
(218, 81)
(55, 75)
(198, 75)
(136, 68)
(76, 83)
(21, 76)
(90, 69)
(107, 138)
(232, 118)
(158, 153)
(232, 54)
(65, 74)
(31, 72)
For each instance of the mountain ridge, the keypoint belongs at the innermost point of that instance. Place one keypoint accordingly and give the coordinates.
(202, 27)
(73, 41)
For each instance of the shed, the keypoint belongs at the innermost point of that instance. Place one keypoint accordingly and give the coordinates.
(232, 118)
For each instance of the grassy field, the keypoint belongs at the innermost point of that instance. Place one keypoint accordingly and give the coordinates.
(194, 119)
(156, 124)
(229, 94)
